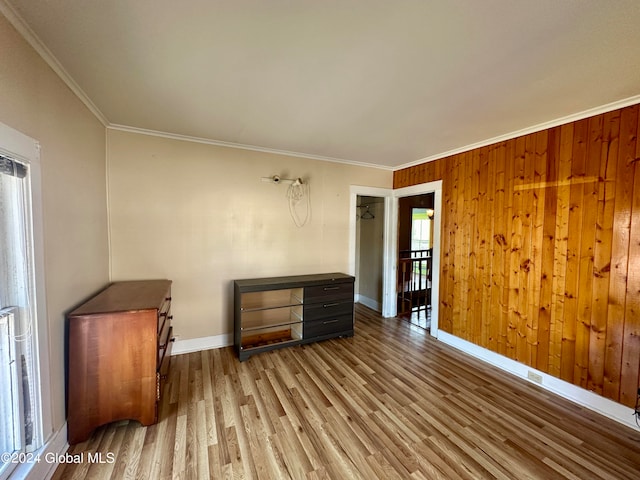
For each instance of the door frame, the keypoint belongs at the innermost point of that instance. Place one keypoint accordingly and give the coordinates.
(421, 189)
(390, 241)
(388, 269)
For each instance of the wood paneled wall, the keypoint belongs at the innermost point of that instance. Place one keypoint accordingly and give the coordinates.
(540, 257)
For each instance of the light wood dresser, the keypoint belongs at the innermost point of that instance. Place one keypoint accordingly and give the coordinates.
(119, 348)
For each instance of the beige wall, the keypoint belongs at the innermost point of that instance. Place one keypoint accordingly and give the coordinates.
(201, 216)
(36, 102)
(370, 240)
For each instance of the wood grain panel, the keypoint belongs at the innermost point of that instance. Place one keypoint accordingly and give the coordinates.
(548, 241)
(498, 247)
(506, 327)
(584, 293)
(560, 246)
(576, 197)
(620, 251)
(602, 254)
(631, 352)
(537, 240)
(540, 255)
(516, 254)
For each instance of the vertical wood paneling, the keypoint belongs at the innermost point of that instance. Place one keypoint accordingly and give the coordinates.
(526, 292)
(526, 334)
(514, 333)
(576, 194)
(620, 251)
(631, 352)
(541, 257)
(602, 254)
(587, 250)
(539, 195)
(548, 239)
(448, 250)
(461, 273)
(487, 178)
(475, 256)
(498, 242)
(561, 243)
(506, 328)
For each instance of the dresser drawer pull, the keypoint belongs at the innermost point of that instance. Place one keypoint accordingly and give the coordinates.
(327, 305)
(331, 288)
(329, 321)
(164, 345)
(168, 299)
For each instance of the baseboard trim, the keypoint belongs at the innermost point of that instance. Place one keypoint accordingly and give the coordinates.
(369, 302)
(202, 343)
(582, 397)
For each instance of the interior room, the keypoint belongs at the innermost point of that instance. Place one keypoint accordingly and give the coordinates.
(467, 170)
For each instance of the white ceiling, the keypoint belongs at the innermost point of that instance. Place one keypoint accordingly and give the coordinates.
(380, 82)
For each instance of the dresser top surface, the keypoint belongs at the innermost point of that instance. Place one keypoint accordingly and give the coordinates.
(126, 296)
(256, 284)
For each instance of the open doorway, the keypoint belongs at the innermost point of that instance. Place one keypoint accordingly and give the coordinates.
(370, 215)
(390, 243)
(415, 258)
(435, 190)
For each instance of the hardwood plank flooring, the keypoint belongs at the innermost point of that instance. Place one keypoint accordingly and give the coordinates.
(390, 402)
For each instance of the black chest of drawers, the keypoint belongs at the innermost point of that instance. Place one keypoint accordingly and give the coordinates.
(276, 312)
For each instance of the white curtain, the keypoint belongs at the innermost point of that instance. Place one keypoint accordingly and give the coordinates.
(17, 393)
(14, 253)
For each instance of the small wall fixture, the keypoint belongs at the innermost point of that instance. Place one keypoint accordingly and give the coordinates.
(298, 195)
(277, 179)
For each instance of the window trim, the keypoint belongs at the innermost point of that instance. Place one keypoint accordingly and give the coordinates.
(26, 149)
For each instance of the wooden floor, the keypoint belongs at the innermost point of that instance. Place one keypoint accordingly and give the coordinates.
(388, 403)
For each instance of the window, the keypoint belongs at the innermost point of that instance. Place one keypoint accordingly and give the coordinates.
(421, 228)
(21, 420)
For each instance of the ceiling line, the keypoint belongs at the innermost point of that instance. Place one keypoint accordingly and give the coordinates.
(32, 39)
(609, 107)
(255, 148)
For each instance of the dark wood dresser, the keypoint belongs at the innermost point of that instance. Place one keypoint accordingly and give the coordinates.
(119, 353)
(276, 312)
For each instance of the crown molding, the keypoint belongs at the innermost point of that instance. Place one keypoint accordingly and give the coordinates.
(32, 39)
(526, 131)
(255, 148)
(29, 35)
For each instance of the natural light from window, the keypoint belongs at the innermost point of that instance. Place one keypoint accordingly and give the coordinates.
(20, 422)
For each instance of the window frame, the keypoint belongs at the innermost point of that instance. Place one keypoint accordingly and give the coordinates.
(25, 149)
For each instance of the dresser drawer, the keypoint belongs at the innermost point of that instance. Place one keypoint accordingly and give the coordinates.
(325, 293)
(164, 341)
(165, 311)
(328, 326)
(330, 308)
(163, 364)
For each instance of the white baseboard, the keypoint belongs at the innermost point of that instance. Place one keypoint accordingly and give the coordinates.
(369, 302)
(202, 343)
(585, 398)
